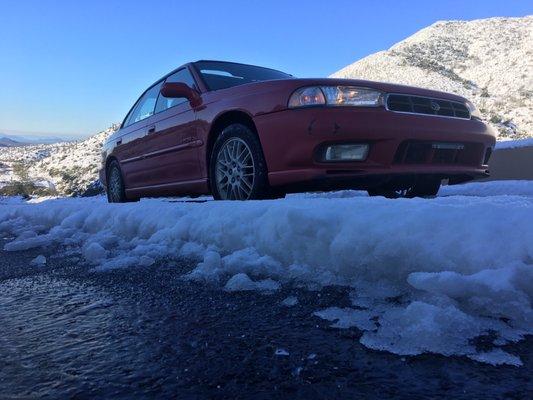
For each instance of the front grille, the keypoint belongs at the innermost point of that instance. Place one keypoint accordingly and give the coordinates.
(421, 152)
(427, 106)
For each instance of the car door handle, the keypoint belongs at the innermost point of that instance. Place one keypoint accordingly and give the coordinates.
(151, 129)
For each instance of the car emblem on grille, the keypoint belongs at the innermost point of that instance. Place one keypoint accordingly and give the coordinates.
(435, 106)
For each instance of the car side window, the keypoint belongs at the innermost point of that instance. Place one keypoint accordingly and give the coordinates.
(183, 76)
(145, 106)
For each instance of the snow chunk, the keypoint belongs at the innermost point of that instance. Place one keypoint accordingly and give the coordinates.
(496, 357)
(146, 261)
(241, 282)
(39, 261)
(281, 352)
(290, 301)
(94, 253)
(492, 292)
(422, 327)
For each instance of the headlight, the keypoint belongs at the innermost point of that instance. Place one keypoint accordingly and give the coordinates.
(352, 96)
(474, 112)
(309, 96)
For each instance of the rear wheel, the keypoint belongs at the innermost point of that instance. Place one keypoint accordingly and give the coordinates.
(116, 191)
(237, 167)
(424, 187)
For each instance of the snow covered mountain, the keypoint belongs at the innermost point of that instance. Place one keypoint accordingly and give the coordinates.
(68, 168)
(489, 61)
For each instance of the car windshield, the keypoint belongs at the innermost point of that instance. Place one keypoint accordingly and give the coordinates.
(221, 75)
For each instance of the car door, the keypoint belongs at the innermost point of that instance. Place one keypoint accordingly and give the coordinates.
(171, 147)
(132, 143)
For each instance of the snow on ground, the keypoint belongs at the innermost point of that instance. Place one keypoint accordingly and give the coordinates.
(513, 144)
(425, 275)
(491, 188)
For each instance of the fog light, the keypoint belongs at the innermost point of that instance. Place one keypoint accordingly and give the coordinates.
(346, 152)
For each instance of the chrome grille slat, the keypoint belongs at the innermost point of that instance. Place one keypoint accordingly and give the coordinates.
(405, 103)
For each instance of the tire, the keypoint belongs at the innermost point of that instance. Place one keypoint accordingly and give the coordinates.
(237, 168)
(424, 187)
(116, 191)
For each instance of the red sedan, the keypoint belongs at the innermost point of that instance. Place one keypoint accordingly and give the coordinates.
(245, 132)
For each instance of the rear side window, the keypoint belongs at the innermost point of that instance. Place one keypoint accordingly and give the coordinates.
(145, 106)
(184, 76)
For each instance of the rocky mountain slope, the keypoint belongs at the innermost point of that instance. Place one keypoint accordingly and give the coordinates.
(69, 168)
(489, 61)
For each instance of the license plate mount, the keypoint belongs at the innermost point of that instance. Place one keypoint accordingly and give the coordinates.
(447, 146)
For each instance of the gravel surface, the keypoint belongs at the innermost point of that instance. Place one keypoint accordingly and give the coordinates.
(67, 332)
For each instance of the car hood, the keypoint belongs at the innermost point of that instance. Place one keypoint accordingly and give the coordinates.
(287, 86)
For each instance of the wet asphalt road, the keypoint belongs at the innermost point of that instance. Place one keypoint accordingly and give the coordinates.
(67, 332)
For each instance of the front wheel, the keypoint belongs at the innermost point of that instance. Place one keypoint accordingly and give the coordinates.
(426, 187)
(237, 167)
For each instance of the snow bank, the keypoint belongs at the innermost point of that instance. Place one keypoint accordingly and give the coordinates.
(492, 188)
(513, 144)
(427, 275)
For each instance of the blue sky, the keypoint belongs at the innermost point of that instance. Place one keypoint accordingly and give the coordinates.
(74, 67)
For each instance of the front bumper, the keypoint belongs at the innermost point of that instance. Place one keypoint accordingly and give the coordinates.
(291, 140)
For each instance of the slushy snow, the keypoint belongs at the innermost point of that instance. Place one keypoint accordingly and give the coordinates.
(425, 275)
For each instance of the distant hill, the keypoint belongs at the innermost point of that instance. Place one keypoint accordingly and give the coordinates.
(488, 61)
(22, 140)
(7, 142)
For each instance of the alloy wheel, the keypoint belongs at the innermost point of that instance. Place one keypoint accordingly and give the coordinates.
(235, 170)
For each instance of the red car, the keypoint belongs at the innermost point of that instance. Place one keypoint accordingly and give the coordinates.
(245, 132)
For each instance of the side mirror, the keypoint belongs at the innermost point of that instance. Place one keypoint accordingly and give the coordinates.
(175, 90)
